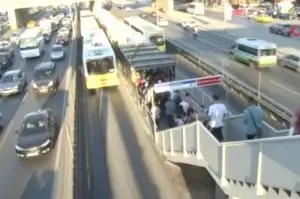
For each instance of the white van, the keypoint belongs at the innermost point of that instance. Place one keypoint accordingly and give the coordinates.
(31, 43)
(195, 8)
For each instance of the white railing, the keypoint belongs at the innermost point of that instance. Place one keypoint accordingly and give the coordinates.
(264, 164)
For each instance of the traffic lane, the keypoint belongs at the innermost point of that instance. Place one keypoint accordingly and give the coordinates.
(245, 74)
(9, 104)
(148, 168)
(187, 70)
(32, 178)
(271, 80)
(282, 76)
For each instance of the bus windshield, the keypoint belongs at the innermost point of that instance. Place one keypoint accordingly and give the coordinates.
(157, 40)
(100, 66)
(28, 43)
(268, 52)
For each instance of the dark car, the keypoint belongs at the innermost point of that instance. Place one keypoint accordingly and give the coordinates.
(37, 134)
(47, 37)
(45, 78)
(62, 39)
(281, 29)
(57, 52)
(12, 82)
(5, 62)
(6, 49)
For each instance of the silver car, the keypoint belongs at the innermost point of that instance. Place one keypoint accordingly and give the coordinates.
(57, 52)
(290, 61)
(12, 82)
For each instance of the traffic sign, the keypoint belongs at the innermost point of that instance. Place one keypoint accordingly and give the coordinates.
(188, 83)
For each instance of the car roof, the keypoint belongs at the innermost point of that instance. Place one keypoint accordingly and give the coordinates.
(12, 72)
(44, 65)
(38, 115)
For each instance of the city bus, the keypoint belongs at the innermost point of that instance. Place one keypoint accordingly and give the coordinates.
(254, 52)
(99, 60)
(31, 43)
(153, 32)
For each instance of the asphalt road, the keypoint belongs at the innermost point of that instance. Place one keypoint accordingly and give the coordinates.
(115, 157)
(32, 178)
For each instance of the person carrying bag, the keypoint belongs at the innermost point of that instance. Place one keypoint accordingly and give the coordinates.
(253, 118)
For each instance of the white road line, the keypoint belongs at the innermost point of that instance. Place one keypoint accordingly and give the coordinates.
(284, 87)
(6, 133)
(24, 98)
(69, 138)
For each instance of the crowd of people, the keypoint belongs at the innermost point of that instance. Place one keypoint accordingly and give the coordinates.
(171, 109)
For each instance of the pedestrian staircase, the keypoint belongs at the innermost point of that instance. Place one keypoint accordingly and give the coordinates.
(267, 168)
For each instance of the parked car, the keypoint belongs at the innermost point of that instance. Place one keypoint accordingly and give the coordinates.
(290, 61)
(5, 62)
(37, 135)
(281, 29)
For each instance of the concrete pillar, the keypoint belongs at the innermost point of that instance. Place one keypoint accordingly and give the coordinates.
(18, 17)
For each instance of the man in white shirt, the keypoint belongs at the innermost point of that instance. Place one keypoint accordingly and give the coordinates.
(217, 112)
(185, 106)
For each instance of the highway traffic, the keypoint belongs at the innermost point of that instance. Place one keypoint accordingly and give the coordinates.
(32, 178)
(214, 49)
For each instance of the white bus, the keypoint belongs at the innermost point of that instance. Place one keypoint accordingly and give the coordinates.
(117, 30)
(99, 60)
(31, 43)
(153, 32)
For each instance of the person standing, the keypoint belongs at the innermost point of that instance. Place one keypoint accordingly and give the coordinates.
(253, 120)
(169, 111)
(155, 112)
(295, 125)
(217, 112)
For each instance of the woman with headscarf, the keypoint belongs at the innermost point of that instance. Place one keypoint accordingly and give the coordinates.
(295, 126)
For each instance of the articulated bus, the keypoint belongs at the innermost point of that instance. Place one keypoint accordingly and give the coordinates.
(99, 60)
(153, 32)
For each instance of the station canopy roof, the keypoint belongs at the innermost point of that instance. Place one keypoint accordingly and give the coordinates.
(146, 57)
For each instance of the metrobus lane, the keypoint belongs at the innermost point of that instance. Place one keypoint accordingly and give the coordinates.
(120, 160)
(33, 177)
(284, 92)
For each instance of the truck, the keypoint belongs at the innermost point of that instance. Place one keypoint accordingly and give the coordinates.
(195, 8)
(47, 26)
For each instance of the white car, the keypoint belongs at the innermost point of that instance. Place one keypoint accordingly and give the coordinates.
(163, 22)
(188, 24)
(64, 31)
(127, 9)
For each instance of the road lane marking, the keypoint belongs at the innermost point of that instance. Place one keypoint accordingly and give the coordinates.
(284, 87)
(25, 96)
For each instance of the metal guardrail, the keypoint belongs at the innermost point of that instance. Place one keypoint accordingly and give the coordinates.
(274, 109)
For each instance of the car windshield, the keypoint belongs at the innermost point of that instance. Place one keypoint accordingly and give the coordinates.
(158, 40)
(33, 125)
(43, 74)
(57, 49)
(10, 78)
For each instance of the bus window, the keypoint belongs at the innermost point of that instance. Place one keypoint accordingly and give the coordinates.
(100, 66)
(247, 49)
(268, 52)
